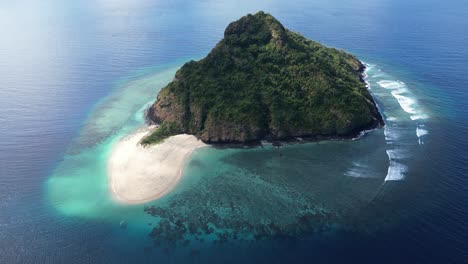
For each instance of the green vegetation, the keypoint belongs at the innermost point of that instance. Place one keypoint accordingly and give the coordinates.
(264, 81)
(165, 130)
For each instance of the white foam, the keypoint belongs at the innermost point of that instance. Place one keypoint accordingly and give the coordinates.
(397, 154)
(377, 75)
(407, 103)
(363, 133)
(368, 86)
(369, 66)
(391, 134)
(419, 117)
(358, 170)
(400, 91)
(354, 173)
(421, 131)
(396, 171)
(387, 84)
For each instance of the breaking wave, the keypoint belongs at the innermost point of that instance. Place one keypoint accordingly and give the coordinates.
(396, 129)
(396, 170)
(420, 133)
(406, 100)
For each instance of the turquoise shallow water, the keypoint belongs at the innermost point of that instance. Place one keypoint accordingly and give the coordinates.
(76, 77)
(228, 195)
(78, 186)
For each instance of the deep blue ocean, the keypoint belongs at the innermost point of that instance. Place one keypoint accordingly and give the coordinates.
(75, 76)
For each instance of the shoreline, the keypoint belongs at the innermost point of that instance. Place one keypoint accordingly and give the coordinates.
(138, 174)
(294, 140)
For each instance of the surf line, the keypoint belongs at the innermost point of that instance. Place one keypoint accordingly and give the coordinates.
(399, 90)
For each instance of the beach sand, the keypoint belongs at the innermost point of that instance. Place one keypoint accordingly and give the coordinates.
(140, 174)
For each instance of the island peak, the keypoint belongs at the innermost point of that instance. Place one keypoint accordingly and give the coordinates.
(258, 29)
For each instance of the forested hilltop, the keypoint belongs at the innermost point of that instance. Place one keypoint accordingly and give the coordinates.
(262, 81)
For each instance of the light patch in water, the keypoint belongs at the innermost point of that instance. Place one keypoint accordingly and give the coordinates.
(140, 114)
(377, 75)
(390, 134)
(387, 84)
(78, 187)
(420, 131)
(396, 170)
(358, 170)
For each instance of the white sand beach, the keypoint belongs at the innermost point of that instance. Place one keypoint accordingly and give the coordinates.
(140, 174)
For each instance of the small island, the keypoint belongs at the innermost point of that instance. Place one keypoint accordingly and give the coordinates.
(264, 82)
(260, 82)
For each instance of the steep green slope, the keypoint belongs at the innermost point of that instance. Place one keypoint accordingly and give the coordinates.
(262, 81)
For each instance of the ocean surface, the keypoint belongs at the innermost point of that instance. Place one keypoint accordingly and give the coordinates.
(76, 76)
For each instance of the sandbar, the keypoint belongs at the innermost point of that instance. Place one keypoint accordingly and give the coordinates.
(138, 174)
